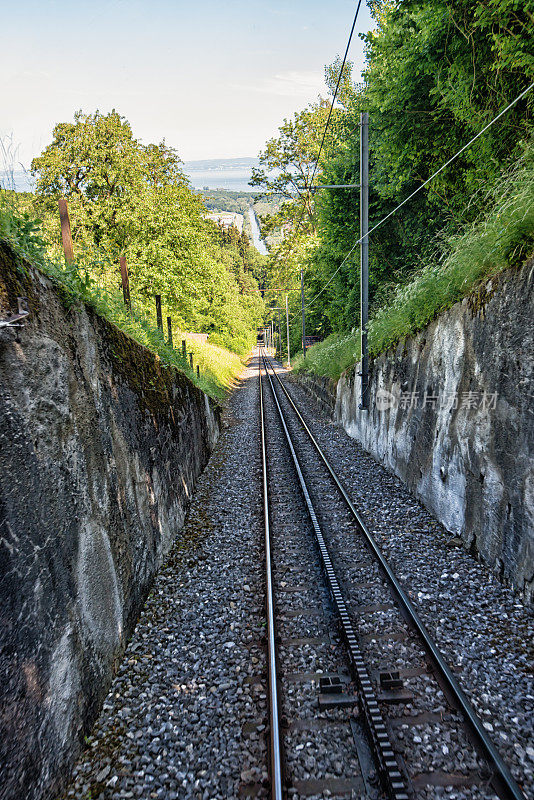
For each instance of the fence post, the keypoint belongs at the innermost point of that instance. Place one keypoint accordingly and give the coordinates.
(158, 312)
(191, 359)
(125, 282)
(184, 349)
(169, 330)
(198, 371)
(66, 235)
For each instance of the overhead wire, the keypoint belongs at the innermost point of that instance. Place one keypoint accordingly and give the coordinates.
(301, 217)
(422, 186)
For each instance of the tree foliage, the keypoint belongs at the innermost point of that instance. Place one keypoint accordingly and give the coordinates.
(437, 71)
(130, 199)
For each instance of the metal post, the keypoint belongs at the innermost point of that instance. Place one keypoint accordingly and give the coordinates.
(364, 256)
(158, 312)
(279, 336)
(303, 317)
(125, 281)
(169, 330)
(65, 230)
(287, 325)
(184, 349)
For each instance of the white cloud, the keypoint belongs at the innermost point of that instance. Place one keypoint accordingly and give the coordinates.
(292, 83)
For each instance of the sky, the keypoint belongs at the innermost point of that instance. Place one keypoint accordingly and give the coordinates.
(214, 79)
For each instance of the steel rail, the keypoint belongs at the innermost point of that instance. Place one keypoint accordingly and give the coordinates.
(388, 767)
(506, 785)
(276, 752)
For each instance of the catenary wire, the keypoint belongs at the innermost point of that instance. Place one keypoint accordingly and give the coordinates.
(301, 217)
(446, 164)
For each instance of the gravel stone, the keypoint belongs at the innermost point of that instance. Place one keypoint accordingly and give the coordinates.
(483, 629)
(186, 716)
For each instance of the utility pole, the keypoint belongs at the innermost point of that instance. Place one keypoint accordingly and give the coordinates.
(277, 326)
(303, 317)
(279, 335)
(287, 326)
(364, 257)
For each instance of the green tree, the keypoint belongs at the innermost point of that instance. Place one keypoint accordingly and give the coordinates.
(436, 73)
(130, 199)
(287, 166)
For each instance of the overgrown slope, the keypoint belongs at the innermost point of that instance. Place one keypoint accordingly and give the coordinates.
(502, 238)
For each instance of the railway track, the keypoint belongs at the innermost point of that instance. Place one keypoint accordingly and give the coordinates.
(353, 672)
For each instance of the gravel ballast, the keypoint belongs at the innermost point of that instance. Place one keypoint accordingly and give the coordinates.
(481, 626)
(186, 716)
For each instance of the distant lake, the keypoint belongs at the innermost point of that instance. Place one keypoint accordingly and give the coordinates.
(19, 179)
(231, 180)
(232, 174)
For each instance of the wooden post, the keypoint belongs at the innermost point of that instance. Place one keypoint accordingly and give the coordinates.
(65, 230)
(158, 312)
(125, 282)
(184, 349)
(169, 330)
(191, 359)
(198, 371)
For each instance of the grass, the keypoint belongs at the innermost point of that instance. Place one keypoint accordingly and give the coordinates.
(330, 357)
(219, 367)
(504, 238)
(217, 362)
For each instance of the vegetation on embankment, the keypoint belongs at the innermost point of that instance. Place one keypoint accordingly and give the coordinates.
(126, 199)
(501, 239)
(330, 357)
(219, 367)
(443, 79)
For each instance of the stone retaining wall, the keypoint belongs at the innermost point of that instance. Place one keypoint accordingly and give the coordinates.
(100, 447)
(452, 414)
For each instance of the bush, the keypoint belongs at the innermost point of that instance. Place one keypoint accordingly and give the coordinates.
(503, 238)
(330, 357)
(237, 344)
